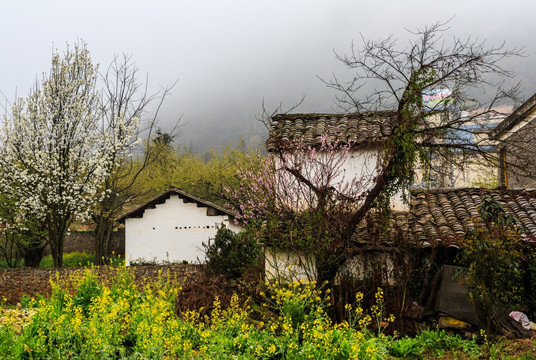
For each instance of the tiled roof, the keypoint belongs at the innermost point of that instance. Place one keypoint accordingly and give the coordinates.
(443, 215)
(355, 128)
(369, 231)
(160, 199)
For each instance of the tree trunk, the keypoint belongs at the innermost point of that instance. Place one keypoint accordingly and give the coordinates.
(327, 267)
(57, 226)
(33, 255)
(103, 234)
(9, 250)
(57, 249)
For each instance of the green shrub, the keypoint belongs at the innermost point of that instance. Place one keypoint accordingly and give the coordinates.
(87, 290)
(493, 254)
(433, 342)
(73, 259)
(231, 253)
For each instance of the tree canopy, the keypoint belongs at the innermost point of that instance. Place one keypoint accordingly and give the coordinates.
(55, 156)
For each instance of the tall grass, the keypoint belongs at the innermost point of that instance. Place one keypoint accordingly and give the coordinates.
(73, 259)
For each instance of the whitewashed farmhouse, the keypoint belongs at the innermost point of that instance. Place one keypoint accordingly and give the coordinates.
(366, 132)
(173, 227)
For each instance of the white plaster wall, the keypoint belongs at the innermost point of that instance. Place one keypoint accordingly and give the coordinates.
(172, 231)
(361, 165)
(288, 266)
(292, 266)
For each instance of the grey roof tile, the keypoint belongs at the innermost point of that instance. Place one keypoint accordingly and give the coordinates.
(442, 216)
(356, 128)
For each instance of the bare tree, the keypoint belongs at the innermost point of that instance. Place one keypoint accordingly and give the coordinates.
(126, 100)
(464, 66)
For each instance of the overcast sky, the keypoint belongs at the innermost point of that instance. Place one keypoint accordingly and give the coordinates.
(229, 55)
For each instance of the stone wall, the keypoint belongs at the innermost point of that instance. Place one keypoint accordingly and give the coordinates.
(31, 281)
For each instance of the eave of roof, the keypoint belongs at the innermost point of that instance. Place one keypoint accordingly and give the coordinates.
(516, 117)
(160, 199)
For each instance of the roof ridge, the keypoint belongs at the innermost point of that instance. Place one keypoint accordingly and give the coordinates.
(349, 114)
(162, 197)
(515, 116)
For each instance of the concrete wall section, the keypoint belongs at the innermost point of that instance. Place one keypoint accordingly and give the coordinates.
(292, 266)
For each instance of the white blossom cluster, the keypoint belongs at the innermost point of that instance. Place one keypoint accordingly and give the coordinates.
(54, 152)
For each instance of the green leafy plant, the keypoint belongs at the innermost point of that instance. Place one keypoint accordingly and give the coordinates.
(79, 259)
(493, 255)
(87, 289)
(129, 321)
(231, 253)
(407, 348)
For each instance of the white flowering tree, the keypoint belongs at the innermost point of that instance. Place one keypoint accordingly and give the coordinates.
(55, 155)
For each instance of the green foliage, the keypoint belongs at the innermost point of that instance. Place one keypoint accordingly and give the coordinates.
(182, 168)
(493, 254)
(437, 341)
(87, 290)
(296, 302)
(231, 253)
(434, 343)
(21, 236)
(126, 321)
(403, 150)
(407, 348)
(530, 254)
(73, 259)
(76, 259)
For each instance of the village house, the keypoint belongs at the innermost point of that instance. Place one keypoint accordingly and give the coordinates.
(473, 162)
(364, 131)
(173, 227)
(435, 217)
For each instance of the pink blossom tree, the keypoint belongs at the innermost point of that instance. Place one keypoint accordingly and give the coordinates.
(300, 199)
